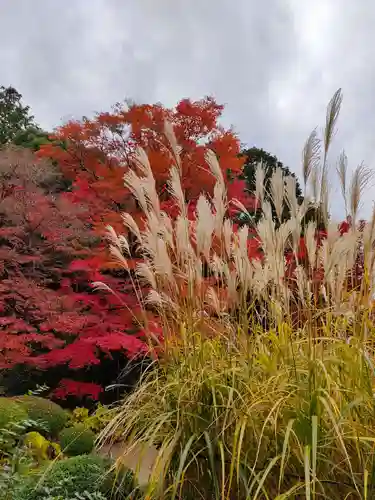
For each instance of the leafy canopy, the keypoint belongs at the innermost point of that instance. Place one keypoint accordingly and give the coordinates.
(98, 152)
(14, 116)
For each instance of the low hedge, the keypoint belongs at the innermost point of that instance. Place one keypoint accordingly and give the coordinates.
(76, 440)
(49, 416)
(66, 478)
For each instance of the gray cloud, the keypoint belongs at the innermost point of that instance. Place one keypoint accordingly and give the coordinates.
(275, 64)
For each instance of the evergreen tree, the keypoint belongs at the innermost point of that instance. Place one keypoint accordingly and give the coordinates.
(253, 156)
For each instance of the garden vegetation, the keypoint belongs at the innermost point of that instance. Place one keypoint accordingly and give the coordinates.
(246, 309)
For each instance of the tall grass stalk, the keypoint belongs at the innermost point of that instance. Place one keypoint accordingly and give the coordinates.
(264, 386)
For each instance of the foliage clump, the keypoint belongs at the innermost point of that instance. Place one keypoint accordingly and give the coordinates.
(14, 116)
(66, 478)
(77, 440)
(17, 460)
(95, 421)
(11, 412)
(40, 448)
(49, 416)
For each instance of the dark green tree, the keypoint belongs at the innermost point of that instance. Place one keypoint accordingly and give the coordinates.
(253, 156)
(14, 116)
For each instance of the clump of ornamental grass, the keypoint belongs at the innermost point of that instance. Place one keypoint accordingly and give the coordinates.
(263, 387)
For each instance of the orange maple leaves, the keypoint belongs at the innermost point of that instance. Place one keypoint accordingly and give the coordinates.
(95, 154)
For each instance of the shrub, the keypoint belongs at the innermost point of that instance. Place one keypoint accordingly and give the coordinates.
(97, 421)
(48, 415)
(15, 458)
(11, 412)
(66, 478)
(40, 448)
(77, 440)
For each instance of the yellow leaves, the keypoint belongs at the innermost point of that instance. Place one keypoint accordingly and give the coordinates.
(41, 449)
(80, 415)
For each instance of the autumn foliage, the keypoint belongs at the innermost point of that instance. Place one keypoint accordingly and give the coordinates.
(54, 245)
(48, 314)
(99, 152)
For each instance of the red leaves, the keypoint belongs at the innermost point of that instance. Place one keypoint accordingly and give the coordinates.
(170, 207)
(197, 118)
(227, 148)
(254, 248)
(18, 340)
(302, 250)
(344, 227)
(85, 351)
(76, 355)
(69, 387)
(236, 190)
(120, 341)
(89, 264)
(46, 261)
(99, 151)
(61, 245)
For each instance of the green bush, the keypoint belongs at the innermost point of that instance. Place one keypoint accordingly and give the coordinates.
(49, 416)
(77, 440)
(15, 460)
(67, 478)
(11, 412)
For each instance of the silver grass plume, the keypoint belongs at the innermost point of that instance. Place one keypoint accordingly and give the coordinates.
(175, 189)
(259, 182)
(277, 191)
(204, 226)
(310, 156)
(333, 111)
(171, 137)
(342, 171)
(131, 225)
(360, 179)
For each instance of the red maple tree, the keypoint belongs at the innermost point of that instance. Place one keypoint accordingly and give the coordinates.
(95, 154)
(98, 152)
(52, 245)
(48, 314)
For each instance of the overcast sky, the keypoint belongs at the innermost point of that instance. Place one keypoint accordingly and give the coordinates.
(274, 63)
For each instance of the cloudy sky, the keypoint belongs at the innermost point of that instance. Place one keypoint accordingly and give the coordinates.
(274, 63)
